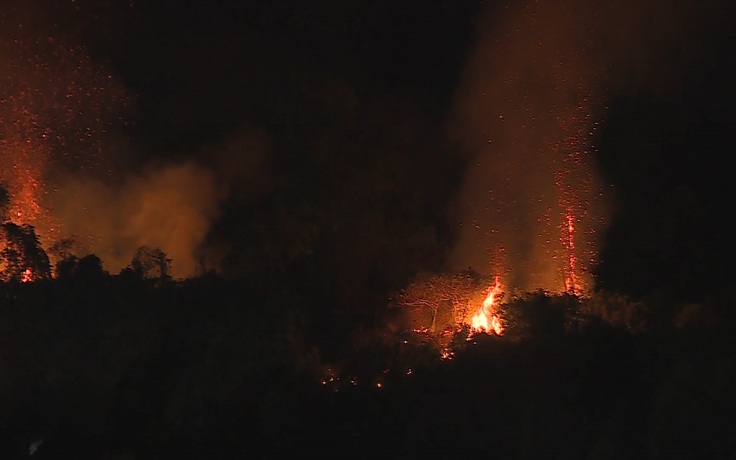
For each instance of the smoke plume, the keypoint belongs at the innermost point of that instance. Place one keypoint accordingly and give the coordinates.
(532, 99)
(169, 207)
(72, 170)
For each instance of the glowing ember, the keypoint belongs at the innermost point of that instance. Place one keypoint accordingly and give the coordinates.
(27, 275)
(57, 108)
(486, 319)
(447, 354)
(574, 183)
(570, 280)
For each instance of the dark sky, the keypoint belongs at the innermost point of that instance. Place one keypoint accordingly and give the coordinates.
(202, 68)
(352, 100)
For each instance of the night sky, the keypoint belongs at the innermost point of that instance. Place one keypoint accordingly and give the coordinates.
(203, 69)
(330, 124)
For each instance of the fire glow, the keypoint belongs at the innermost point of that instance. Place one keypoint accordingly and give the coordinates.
(531, 126)
(58, 110)
(569, 243)
(27, 275)
(486, 318)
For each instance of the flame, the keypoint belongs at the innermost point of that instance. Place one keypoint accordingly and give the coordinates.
(27, 275)
(486, 319)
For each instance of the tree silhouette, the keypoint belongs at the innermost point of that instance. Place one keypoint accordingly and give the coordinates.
(151, 263)
(22, 256)
(87, 268)
(423, 299)
(67, 267)
(4, 203)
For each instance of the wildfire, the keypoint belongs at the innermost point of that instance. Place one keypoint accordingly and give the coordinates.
(58, 109)
(486, 318)
(447, 354)
(571, 286)
(574, 182)
(27, 275)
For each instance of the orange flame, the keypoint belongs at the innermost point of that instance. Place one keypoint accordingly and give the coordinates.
(27, 275)
(486, 319)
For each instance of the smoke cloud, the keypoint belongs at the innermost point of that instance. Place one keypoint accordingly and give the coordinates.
(531, 102)
(170, 207)
(73, 171)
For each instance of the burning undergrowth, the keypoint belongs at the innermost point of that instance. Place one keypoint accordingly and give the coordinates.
(433, 323)
(160, 372)
(442, 304)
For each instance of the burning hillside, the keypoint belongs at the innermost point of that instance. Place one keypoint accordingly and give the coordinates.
(442, 305)
(68, 170)
(59, 112)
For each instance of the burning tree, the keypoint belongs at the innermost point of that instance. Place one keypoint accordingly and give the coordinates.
(486, 319)
(439, 302)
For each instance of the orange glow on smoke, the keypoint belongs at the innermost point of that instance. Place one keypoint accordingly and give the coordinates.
(25, 207)
(58, 111)
(486, 318)
(22, 167)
